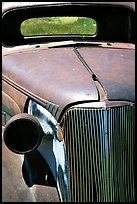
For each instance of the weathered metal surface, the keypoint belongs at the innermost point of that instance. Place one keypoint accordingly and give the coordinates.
(115, 69)
(40, 71)
(9, 105)
(15, 95)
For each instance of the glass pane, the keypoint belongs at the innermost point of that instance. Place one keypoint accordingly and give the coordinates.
(59, 25)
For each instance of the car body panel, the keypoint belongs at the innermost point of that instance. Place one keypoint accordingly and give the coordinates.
(87, 84)
(72, 81)
(9, 107)
(19, 98)
(115, 67)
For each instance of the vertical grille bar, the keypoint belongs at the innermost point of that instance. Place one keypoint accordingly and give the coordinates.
(100, 153)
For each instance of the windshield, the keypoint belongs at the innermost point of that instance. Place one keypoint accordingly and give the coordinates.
(63, 22)
(59, 25)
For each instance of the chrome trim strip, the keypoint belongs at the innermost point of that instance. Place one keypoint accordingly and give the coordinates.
(104, 104)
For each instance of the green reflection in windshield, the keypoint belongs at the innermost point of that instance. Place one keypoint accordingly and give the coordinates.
(59, 25)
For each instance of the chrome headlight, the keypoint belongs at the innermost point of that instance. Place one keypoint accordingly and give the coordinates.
(52, 147)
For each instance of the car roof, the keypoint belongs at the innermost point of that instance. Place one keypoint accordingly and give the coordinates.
(10, 5)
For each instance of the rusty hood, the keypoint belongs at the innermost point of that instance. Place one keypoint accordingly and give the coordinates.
(55, 75)
(59, 76)
(115, 69)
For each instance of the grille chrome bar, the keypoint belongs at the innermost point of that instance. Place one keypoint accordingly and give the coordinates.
(100, 153)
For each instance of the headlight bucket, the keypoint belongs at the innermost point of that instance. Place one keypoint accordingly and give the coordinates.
(23, 133)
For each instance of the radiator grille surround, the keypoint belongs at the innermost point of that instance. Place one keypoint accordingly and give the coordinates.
(100, 153)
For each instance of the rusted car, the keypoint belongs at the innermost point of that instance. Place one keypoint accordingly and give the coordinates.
(68, 102)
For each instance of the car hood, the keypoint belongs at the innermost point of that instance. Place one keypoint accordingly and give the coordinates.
(115, 69)
(58, 76)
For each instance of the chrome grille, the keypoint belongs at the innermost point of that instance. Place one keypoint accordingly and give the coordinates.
(100, 153)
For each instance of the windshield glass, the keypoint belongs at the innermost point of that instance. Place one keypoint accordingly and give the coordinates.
(59, 25)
